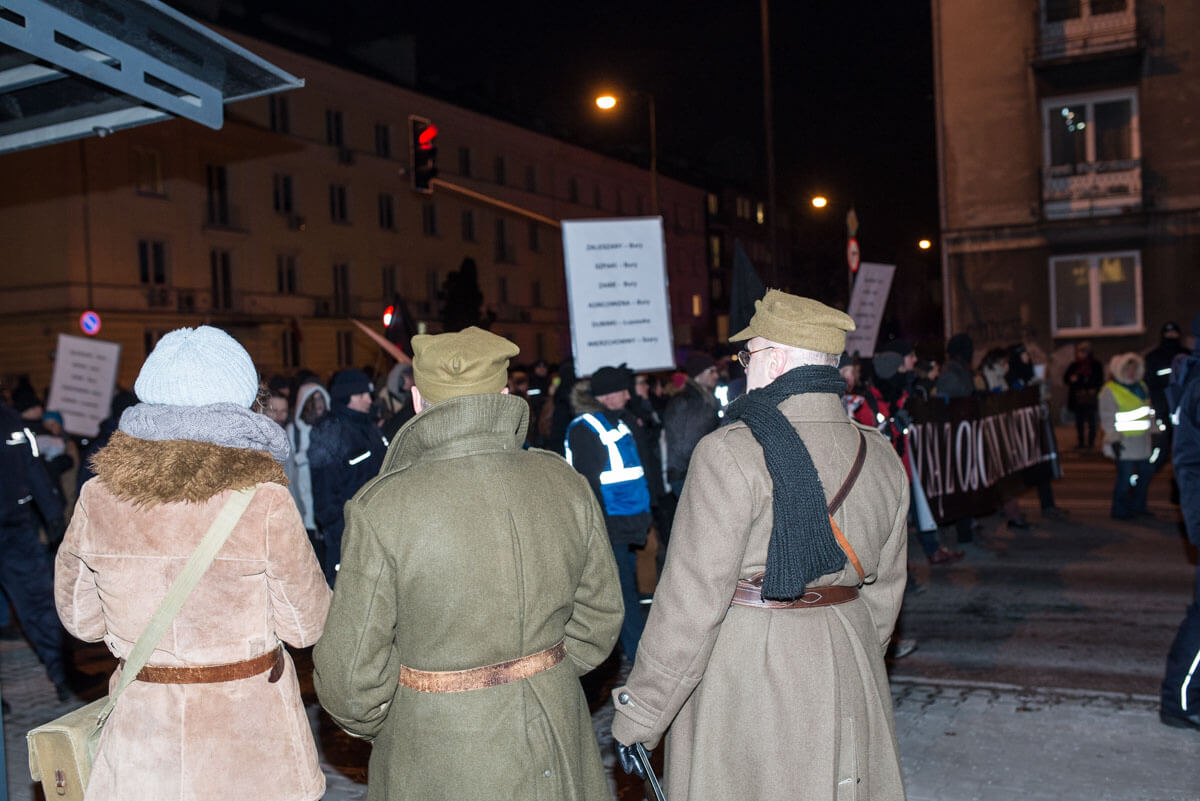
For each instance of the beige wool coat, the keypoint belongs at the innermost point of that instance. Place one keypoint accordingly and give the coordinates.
(773, 704)
(135, 526)
(465, 551)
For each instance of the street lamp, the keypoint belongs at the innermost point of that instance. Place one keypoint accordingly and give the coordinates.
(820, 202)
(924, 244)
(609, 102)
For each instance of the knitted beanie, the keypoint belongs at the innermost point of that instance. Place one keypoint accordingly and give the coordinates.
(607, 380)
(696, 363)
(348, 383)
(197, 367)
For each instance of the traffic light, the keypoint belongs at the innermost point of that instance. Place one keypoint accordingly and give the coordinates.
(388, 314)
(423, 150)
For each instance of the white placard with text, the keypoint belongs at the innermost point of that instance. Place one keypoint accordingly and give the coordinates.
(617, 294)
(867, 303)
(85, 374)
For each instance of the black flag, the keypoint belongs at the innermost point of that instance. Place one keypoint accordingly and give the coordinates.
(747, 288)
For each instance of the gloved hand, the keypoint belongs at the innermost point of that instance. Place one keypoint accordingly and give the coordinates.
(629, 760)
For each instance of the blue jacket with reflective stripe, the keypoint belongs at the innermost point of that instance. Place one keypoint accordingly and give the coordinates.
(623, 486)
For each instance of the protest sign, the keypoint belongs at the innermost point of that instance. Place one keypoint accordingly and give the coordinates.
(85, 374)
(867, 303)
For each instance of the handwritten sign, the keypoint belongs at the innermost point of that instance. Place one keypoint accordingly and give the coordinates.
(85, 374)
(867, 303)
(617, 294)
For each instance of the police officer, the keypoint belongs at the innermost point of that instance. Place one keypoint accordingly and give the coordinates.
(600, 445)
(25, 570)
(345, 451)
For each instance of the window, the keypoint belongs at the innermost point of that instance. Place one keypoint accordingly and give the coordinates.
(535, 289)
(1098, 131)
(279, 117)
(333, 128)
(1096, 293)
(573, 190)
(152, 262)
(714, 204)
(714, 251)
(337, 203)
(345, 348)
(217, 195)
(383, 140)
(147, 172)
(389, 281)
(341, 289)
(464, 162)
(535, 237)
(501, 171)
(468, 225)
(429, 219)
(387, 212)
(290, 347)
(283, 193)
(742, 208)
(504, 250)
(531, 178)
(150, 337)
(285, 274)
(760, 214)
(697, 305)
(222, 279)
(597, 197)
(502, 289)
(1063, 10)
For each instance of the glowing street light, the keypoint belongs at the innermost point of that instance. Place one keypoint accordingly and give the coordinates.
(820, 202)
(606, 102)
(924, 244)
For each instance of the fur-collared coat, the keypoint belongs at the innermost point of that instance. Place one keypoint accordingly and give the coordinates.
(773, 703)
(465, 551)
(134, 528)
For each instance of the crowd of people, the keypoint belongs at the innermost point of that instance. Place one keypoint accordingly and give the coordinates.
(452, 532)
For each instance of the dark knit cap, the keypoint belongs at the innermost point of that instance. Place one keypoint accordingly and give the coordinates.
(887, 364)
(961, 347)
(696, 363)
(1170, 327)
(610, 379)
(897, 345)
(347, 384)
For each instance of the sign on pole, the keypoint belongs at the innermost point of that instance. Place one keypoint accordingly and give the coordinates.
(853, 256)
(617, 294)
(85, 374)
(867, 303)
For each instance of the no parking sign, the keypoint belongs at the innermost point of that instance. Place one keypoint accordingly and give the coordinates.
(89, 323)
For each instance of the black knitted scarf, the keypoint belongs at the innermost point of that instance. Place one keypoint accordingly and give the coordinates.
(802, 543)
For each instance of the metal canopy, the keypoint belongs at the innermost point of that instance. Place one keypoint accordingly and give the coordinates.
(73, 68)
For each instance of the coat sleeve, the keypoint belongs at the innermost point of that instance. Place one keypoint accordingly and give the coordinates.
(299, 593)
(1187, 459)
(1108, 416)
(884, 595)
(591, 631)
(356, 664)
(708, 540)
(75, 595)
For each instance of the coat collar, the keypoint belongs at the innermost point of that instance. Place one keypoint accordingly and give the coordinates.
(814, 407)
(460, 427)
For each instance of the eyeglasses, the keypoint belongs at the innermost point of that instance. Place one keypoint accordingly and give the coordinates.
(743, 356)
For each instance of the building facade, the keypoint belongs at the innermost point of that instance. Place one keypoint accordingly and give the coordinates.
(1069, 171)
(299, 216)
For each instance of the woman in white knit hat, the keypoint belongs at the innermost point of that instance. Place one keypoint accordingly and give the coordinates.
(216, 713)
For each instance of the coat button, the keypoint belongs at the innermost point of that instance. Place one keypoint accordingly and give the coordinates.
(623, 698)
(547, 773)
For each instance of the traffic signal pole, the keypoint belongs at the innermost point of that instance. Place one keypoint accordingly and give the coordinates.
(438, 183)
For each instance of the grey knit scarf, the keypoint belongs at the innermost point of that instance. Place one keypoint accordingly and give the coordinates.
(802, 545)
(224, 424)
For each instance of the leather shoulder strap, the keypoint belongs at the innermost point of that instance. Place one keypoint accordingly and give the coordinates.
(852, 476)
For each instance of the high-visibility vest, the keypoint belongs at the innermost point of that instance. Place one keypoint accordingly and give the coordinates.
(623, 481)
(1134, 415)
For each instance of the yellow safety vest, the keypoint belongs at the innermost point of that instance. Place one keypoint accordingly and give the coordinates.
(1134, 415)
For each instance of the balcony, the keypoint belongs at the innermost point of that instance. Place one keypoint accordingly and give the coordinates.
(1073, 28)
(1092, 189)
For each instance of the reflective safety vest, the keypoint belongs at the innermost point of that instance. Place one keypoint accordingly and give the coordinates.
(622, 482)
(1134, 414)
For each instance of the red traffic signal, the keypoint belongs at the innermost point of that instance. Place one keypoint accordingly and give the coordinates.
(387, 315)
(422, 143)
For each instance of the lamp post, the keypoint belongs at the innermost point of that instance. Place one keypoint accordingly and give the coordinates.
(609, 102)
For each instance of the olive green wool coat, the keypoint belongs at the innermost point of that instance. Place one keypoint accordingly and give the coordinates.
(773, 704)
(465, 551)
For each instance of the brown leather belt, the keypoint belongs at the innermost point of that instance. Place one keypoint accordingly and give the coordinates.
(457, 681)
(749, 593)
(210, 674)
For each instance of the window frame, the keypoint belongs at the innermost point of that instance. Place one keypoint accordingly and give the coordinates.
(1090, 99)
(1094, 298)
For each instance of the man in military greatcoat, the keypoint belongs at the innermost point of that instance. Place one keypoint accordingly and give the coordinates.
(477, 585)
(763, 654)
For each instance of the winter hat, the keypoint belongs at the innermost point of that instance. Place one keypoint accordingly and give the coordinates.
(24, 396)
(347, 384)
(799, 322)
(467, 362)
(1171, 328)
(696, 363)
(607, 380)
(887, 364)
(197, 367)
(961, 347)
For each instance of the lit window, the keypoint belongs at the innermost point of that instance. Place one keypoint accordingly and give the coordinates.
(1096, 293)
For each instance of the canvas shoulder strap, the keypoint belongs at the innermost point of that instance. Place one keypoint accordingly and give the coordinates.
(196, 566)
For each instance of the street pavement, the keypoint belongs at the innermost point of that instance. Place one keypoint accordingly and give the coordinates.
(1035, 677)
